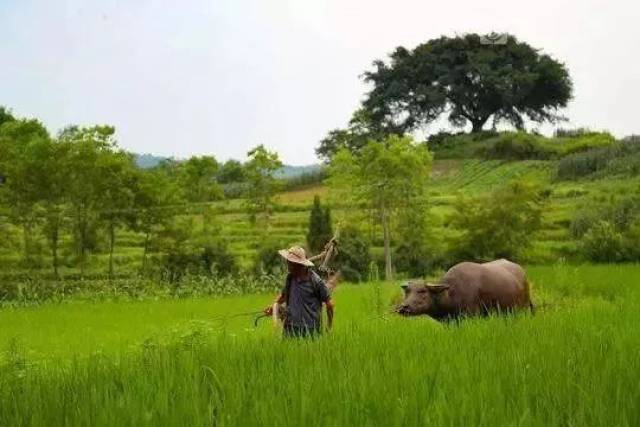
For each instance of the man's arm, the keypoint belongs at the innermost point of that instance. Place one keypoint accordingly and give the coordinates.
(279, 300)
(330, 310)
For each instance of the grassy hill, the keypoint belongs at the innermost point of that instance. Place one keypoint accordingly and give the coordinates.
(467, 169)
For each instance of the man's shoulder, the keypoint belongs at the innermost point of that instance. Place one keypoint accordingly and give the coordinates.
(315, 278)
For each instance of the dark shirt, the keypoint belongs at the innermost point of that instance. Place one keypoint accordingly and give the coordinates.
(304, 298)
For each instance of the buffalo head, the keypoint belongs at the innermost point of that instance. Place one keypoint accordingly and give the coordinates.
(420, 298)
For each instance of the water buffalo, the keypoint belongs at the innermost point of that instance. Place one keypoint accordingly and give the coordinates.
(469, 288)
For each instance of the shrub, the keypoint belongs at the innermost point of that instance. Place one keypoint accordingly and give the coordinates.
(518, 146)
(218, 260)
(418, 251)
(602, 243)
(353, 256)
(267, 260)
(620, 213)
(622, 158)
(319, 227)
(499, 225)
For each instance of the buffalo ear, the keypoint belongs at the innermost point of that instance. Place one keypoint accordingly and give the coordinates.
(436, 288)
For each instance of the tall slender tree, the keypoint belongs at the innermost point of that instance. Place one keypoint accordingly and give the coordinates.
(386, 176)
(320, 231)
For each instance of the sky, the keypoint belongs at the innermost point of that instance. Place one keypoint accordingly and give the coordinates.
(182, 78)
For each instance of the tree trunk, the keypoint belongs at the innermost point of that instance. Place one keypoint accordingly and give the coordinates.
(388, 268)
(54, 250)
(26, 236)
(112, 239)
(144, 252)
(477, 125)
(83, 239)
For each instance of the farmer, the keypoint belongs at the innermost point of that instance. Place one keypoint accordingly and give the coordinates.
(303, 292)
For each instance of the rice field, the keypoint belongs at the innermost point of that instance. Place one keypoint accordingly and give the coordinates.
(202, 362)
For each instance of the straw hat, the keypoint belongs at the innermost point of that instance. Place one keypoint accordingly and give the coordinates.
(295, 254)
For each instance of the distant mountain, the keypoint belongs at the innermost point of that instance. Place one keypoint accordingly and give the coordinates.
(288, 171)
(146, 161)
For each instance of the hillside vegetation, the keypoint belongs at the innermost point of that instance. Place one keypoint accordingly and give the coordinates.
(574, 172)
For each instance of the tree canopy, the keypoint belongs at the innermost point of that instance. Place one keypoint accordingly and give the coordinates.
(467, 80)
(386, 176)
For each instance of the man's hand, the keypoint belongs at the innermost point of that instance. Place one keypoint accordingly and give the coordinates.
(330, 312)
(269, 311)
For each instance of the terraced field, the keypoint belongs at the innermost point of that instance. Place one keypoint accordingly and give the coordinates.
(451, 179)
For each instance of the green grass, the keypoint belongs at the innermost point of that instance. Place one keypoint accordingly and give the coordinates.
(576, 362)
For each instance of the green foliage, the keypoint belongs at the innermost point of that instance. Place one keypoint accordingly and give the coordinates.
(218, 260)
(419, 248)
(261, 184)
(500, 225)
(267, 259)
(354, 138)
(469, 80)
(622, 158)
(320, 230)
(519, 146)
(353, 258)
(5, 115)
(620, 212)
(523, 146)
(602, 243)
(198, 179)
(231, 171)
(609, 232)
(386, 177)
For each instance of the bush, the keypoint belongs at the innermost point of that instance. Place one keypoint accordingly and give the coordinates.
(523, 146)
(622, 158)
(499, 225)
(353, 256)
(620, 213)
(602, 243)
(267, 259)
(214, 259)
(218, 260)
(518, 146)
(418, 251)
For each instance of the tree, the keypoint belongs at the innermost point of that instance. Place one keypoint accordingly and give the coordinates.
(353, 258)
(261, 184)
(386, 176)
(356, 136)
(87, 148)
(154, 195)
(50, 168)
(23, 187)
(467, 80)
(320, 231)
(231, 171)
(419, 248)
(198, 179)
(5, 115)
(117, 179)
(498, 225)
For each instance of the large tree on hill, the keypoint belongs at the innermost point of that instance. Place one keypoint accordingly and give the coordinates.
(461, 77)
(468, 80)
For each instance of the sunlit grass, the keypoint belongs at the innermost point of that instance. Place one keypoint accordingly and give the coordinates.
(187, 362)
